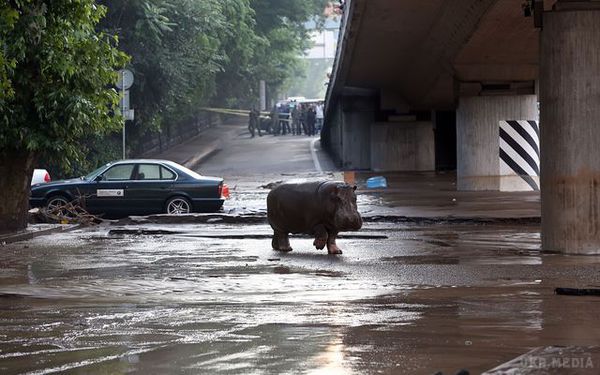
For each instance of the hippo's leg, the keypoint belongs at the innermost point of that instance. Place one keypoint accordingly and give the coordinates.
(320, 236)
(281, 241)
(331, 246)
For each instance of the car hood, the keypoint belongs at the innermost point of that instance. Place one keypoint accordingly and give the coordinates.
(58, 183)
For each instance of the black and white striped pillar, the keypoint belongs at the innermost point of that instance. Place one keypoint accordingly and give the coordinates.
(478, 140)
(519, 153)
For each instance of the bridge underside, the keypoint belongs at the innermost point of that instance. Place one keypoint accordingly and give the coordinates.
(438, 84)
(419, 52)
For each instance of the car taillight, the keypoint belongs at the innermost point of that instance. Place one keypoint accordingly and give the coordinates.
(47, 177)
(224, 191)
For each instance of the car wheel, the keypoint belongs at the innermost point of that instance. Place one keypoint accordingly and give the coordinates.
(56, 205)
(178, 206)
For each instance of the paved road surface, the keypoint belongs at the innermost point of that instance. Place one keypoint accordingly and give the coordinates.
(242, 156)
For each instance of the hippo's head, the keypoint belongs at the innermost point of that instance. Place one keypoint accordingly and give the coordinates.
(343, 206)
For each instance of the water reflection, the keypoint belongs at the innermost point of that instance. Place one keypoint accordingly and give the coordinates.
(332, 360)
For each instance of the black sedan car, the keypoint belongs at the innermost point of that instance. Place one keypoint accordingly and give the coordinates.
(135, 187)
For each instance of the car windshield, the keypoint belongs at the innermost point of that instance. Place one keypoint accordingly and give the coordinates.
(94, 173)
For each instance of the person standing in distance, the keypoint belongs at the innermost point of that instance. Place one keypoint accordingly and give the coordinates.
(320, 117)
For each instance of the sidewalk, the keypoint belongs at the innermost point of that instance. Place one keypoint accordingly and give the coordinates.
(202, 146)
(434, 195)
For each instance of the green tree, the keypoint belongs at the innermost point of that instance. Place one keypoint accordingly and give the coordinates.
(236, 83)
(280, 38)
(187, 54)
(56, 73)
(175, 47)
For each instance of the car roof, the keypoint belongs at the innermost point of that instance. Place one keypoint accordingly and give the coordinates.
(142, 161)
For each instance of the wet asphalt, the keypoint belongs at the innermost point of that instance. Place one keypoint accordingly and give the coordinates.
(214, 298)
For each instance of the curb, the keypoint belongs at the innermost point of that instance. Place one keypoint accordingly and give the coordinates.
(199, 158)
(30, 234)
(210, 150)
(261, 218)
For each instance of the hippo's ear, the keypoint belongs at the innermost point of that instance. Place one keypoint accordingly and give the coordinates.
(354, 187)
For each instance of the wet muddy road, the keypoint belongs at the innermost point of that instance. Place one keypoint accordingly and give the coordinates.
(406, 297)
(202, 299)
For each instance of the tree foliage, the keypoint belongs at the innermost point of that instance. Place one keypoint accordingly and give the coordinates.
(279, 41)
(59, 58)
(57, 76)
(192, 53)
(58, 63)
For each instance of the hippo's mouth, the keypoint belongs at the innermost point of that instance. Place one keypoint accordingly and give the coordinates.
(350, 225)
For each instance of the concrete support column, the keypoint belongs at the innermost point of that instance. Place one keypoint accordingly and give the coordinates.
(358, 113)
(477, 136)
(570, 130)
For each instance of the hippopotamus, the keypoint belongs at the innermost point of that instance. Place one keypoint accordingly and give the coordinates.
(321, 209)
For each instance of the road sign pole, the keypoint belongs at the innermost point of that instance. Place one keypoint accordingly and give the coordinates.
(124, 138)
(123, 114)
(125, 82)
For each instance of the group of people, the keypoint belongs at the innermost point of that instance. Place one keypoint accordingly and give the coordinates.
(289, 118)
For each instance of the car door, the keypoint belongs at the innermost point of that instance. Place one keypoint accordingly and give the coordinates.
(109, 193)
(151, 187)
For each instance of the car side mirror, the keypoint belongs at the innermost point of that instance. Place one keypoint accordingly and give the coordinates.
(98, 178)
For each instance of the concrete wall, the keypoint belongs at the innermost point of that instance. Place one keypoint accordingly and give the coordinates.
(356, 140)
(477, 119)
(357, 115)
(347, 134)
(333, 135)
(402, 146)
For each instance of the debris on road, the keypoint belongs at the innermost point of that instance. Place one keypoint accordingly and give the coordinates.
(271, 185)
(377, 182)
(70, 213)
(577, 292)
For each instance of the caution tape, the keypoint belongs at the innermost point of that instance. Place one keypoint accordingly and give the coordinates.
(236, 112)
(240, 112)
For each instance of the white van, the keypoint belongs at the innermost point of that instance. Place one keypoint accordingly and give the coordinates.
(40, 176)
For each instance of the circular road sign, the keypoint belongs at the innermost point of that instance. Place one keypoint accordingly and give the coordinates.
(125, 79)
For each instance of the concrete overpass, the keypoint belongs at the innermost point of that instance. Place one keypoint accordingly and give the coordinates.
(443, 84)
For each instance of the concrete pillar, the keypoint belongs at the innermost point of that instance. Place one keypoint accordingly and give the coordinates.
(477, 136)
(358, 114)
(570, 130)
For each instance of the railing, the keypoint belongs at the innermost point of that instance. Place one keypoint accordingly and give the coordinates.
(154, 142)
